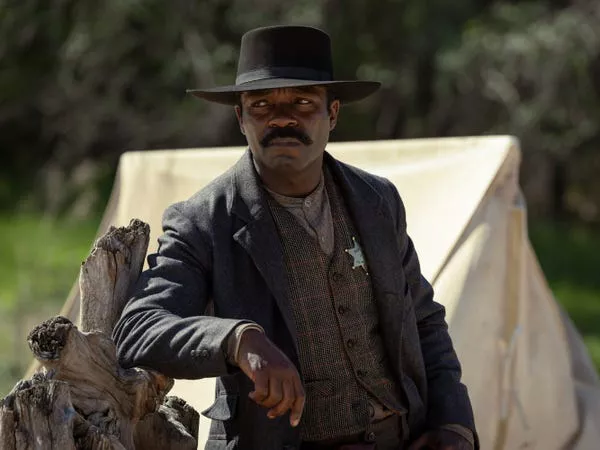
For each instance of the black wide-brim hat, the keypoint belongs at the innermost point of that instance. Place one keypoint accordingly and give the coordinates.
(283, 57)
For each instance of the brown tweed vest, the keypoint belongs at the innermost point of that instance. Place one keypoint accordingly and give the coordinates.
(341, 354)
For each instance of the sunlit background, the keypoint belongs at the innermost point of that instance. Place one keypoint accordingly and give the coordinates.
(82, 81)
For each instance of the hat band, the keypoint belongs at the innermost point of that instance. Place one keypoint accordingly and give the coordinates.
(301, 73)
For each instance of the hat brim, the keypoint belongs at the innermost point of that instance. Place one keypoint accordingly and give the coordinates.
(345, 91)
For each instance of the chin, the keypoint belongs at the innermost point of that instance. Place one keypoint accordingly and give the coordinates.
(287, 164)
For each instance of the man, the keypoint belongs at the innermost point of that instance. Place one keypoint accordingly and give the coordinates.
(323, 333)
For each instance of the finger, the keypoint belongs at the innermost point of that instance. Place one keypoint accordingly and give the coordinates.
(286, 402)
(261, 387)
(275, 393)
(298, 406)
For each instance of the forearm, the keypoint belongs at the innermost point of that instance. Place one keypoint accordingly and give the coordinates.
(190, 347)
(163, 327)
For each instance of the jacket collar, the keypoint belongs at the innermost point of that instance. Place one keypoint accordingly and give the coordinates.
(249, 203)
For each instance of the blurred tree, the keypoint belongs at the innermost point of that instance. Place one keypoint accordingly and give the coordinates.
(82, 81)
(531, 71)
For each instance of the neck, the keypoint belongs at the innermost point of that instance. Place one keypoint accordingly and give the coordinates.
(296, 184)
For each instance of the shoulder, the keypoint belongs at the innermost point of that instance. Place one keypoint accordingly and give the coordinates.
(208, 205)
(382, 186)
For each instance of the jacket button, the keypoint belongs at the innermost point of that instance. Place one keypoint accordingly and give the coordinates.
(342, 309)
(360, 373)
(200, 354)
(350, 343)
(338, 277)
(370, 437)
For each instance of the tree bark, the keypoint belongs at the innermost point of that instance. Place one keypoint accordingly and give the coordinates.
(174, 426)
(108, 275)
(81, 398)
(37, 414)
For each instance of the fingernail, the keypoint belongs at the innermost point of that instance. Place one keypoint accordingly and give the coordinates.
(295, 422)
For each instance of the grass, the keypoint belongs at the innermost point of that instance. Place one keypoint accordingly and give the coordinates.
(39, 261)
(570, 258)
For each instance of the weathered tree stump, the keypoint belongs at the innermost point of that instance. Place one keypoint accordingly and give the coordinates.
(37, 411)
(81, 398)
(108, 275)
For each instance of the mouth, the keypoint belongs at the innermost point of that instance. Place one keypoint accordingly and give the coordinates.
(284, 142)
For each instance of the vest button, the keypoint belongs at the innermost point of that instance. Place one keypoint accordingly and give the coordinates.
(350, 343)
(342, 309)
(360, 373)
(370, 437)
(337, 277)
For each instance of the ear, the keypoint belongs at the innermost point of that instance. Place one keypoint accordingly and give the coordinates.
(334, 110)
(238, 114)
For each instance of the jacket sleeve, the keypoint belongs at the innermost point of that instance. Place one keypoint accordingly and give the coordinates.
(447, 401)
(163, 326)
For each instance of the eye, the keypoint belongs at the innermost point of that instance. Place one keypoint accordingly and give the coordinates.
(259, 103)
(303, 101)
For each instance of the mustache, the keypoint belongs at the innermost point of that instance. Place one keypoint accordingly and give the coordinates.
(285, 132)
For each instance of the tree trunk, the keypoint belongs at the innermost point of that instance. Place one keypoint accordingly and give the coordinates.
(81, 398)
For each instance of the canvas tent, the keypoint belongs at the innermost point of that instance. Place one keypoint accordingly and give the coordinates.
(531, 381)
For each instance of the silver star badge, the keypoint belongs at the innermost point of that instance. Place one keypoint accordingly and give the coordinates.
(358, 259)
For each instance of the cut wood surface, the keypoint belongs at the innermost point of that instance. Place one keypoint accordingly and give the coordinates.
(81, 398)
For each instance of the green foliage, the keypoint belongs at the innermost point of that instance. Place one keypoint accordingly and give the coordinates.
(82, 81)
(533, 71)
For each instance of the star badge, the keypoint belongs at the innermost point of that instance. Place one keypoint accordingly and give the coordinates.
(358, 259)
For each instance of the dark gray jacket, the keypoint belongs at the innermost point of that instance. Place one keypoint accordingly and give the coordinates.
(220, 263)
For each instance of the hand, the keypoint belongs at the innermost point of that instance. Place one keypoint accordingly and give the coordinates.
(441, 440)
(277, 383)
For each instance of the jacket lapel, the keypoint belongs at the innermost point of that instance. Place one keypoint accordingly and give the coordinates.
(378, 239)
(259, 237)
(375, 226)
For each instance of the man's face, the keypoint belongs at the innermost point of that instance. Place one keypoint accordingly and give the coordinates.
(287, 129)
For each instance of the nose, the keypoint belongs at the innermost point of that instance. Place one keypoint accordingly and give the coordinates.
(282, 117)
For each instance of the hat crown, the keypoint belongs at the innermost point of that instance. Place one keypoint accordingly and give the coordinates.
(299, 52)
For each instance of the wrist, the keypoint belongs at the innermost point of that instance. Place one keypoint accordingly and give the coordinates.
(241, 336)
